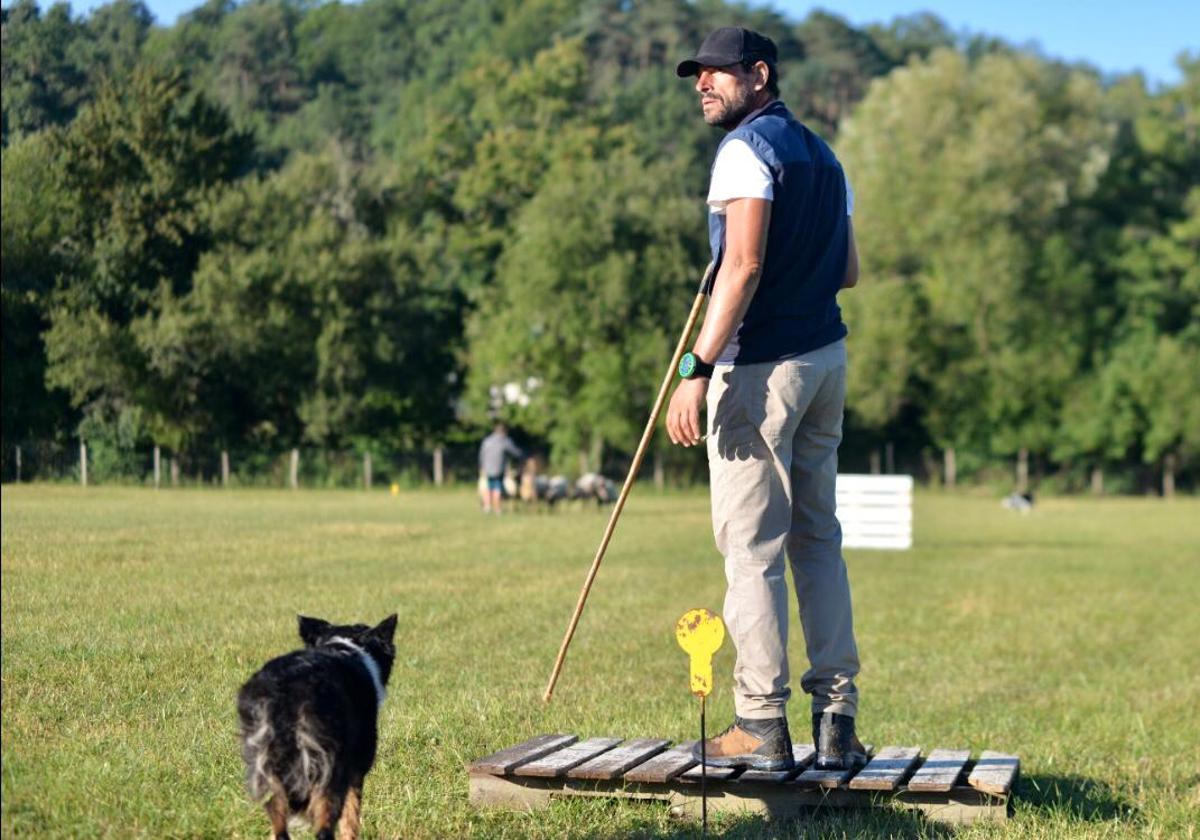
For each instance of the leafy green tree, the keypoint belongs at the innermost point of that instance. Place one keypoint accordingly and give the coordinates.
(315, 321)
(33, 207)
(839, 64)
(1134, 403)
(961, 186)
(43, 85)
(135, 164)
(911, 36)
(595, 249)
(111, 39)
(586, 303)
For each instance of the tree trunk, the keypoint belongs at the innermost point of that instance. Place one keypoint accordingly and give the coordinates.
(1023, 470)
(157, 468)
(83, 463)
(175, 471)
(225, 468)
(1168, 480)
(659, 477)
(367, 478)
(889, 459)
(929, 465)
(294, 472)
(18, 465)
(950, 467)
(1097, 481)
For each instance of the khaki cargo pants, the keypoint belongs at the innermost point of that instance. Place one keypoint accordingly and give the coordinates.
(773, 434)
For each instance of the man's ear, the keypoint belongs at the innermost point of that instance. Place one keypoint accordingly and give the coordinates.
(762, 73)
(311, 629)
(386, 629)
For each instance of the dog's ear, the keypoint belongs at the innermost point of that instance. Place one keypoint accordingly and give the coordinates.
(386, 629)
(311, 629)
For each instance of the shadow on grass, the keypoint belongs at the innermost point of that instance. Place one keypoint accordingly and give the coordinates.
(813, 824)
(1070, 798)
(1073, 797)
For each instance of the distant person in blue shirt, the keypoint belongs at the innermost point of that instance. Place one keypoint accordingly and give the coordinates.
(769, 370)
(494, 452)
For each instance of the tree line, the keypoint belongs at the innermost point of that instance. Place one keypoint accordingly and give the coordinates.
(380, 225)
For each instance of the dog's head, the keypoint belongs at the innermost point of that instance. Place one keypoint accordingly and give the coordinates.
(377, 641)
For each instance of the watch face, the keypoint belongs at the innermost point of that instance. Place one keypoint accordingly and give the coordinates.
(687, 365)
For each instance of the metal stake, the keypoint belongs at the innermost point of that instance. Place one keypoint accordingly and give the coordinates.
(703, 774)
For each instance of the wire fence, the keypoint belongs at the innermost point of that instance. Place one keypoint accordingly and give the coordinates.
(303, 467)
(74, 461)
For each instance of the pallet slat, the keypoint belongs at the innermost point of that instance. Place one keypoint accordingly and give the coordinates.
(828, 778)
(613, 763)
(802, 754)
(947, 788)
(995, 772)
(714, 774)
(887, 769)
(664, 766)
(503, 761)
(940, 771)
(559, 763)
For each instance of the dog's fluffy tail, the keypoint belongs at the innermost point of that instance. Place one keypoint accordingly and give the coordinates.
(297, 768)
(258, 733)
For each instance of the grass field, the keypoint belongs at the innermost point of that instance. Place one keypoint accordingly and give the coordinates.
(130, 618)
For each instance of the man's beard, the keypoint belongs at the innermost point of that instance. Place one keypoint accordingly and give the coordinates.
(732, 112)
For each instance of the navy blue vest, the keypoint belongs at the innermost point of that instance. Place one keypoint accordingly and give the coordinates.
(794, 309)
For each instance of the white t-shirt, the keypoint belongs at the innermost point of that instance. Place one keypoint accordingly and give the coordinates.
(739, 173)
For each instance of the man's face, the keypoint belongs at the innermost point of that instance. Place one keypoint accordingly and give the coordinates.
(726, 94)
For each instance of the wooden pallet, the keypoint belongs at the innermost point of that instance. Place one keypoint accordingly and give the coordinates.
(945, 785)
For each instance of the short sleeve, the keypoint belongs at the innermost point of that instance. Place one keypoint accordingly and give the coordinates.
(849, 198)
(738, 173)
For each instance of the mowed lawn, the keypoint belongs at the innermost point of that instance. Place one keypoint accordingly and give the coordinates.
(130, 618)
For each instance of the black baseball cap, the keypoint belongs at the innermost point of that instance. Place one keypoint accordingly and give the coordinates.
(730, 45)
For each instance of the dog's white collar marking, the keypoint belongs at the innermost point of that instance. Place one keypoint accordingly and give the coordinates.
(367, 662)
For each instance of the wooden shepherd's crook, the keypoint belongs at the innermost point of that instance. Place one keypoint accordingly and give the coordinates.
(647, 435)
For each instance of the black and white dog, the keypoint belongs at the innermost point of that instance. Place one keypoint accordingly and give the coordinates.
(309, 725)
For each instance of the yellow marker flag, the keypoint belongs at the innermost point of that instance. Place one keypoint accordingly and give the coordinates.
(700, 634)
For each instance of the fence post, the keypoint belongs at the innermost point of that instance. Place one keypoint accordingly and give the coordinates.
(83, 463)
(366, 470)
(1168, 479)
(1022, 470)
(18, 465)
(157, 467)
(439, 476)
(224, 467)
(174, 471)
(294, 476)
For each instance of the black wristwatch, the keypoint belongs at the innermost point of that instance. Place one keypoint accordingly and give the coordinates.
(691, 367)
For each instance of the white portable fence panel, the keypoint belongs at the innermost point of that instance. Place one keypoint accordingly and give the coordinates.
(875, 511)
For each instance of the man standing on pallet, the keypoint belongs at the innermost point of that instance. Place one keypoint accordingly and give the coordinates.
(770, 361)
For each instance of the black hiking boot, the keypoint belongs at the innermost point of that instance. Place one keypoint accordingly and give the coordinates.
(838, 748)
(753, 744)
